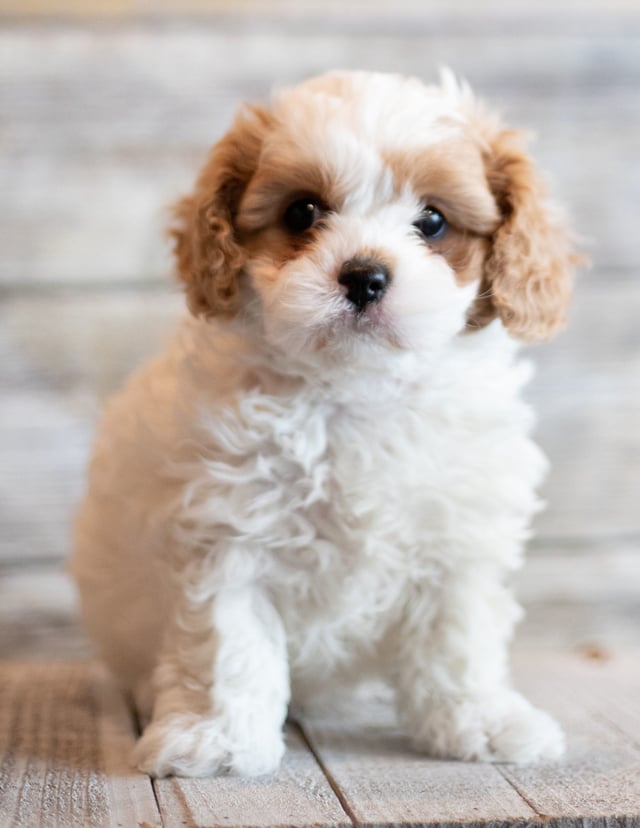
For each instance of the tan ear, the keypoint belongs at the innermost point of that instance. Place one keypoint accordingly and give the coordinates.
(209, 257)
(528, 272)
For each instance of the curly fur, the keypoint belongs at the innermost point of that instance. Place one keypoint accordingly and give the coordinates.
(529, 269)
(209, 259)
(294, 495)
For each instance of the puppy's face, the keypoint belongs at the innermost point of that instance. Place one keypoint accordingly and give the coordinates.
(371, 211)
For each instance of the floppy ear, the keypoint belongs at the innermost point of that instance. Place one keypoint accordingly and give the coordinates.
(528, 272)
(209, 257)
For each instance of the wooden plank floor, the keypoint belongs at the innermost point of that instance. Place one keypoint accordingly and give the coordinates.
(107, 109)
(66, 734)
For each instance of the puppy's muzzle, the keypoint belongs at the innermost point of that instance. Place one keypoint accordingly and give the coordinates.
(366, 281)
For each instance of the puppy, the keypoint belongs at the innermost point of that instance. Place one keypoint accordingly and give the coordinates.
(327, 475)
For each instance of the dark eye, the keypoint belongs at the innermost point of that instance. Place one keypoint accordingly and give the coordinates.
(431, 224)
(301, 215)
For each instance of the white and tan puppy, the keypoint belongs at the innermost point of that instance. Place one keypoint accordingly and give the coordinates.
(327, 475)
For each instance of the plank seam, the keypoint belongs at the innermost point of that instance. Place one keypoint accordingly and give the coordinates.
(9, 566)
(37, 289)
(542, 544)
(544, 818)
(333, 784)
(581, 543)
(515, 28)
(619, 275)
(137, 729)
(632, 741)
(157, 800)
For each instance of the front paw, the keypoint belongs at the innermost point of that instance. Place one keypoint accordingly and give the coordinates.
(504, 727)
(183, 744)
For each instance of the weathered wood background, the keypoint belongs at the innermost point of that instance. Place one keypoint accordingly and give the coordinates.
(106, 111)
(107, 108)
(66, 735)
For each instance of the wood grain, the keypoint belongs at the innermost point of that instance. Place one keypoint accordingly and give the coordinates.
(516, 18)
(65, 738)
(579, 594)
(39, 613)
(62, 355)
(107, 111)
(599, 781)
(298, 794)
(65, 734)
(384, 783)
(597, 784)
(104, 127)
(39, 617)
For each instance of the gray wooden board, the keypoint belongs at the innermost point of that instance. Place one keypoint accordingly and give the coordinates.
(405, 15)
(39, 618)
(579, 593)
(622, 710)
(65, 734)
(60, 356)
(81, 346)
(39, 614)
(43, 470)
(65, 738)
(104, 126)
(599, 781)
(298, 794)
(609, 686)
(597, 784)
(576, 625)
(89, 340)
(384, 783)
(581, 572)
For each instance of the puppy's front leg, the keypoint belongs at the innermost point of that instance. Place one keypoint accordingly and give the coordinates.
(222, 689)
(453, 686)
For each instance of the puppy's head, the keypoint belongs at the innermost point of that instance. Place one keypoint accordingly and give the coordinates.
(365, 209)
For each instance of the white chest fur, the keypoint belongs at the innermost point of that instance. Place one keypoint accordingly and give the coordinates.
(326, 496)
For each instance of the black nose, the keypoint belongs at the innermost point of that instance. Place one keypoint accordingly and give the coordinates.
(365, 281)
